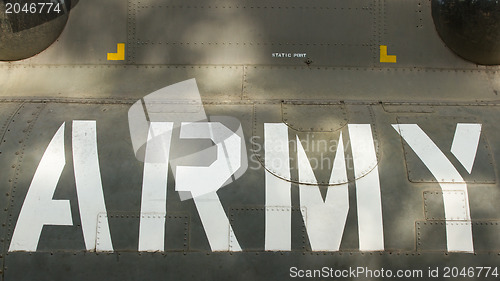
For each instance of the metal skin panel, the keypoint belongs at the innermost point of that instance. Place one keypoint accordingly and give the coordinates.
(328, 117)
(403, 208)
(419, 35)
(247, 217)
(176, 234)
(91, 31)
(433, 205)
(484, 162)
(392, 212)
(199, 32)
(457, 23)
(368, 84)
(92, 81)
(12, 154)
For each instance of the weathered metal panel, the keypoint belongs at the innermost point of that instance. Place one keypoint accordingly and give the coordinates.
(116, 82)
(93, 30)
(442, 135)
(367, 84)
(250, 32)
(228, 48)
(431, 236)
(324, 117)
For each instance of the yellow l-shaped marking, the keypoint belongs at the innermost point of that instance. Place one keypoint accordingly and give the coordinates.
(384, 57)
(120, 53)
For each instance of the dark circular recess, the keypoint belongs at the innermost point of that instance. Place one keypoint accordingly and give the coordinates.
(471, 28)
(27, 33)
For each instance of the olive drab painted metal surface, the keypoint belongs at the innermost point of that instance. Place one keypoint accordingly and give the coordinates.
(243, 140)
